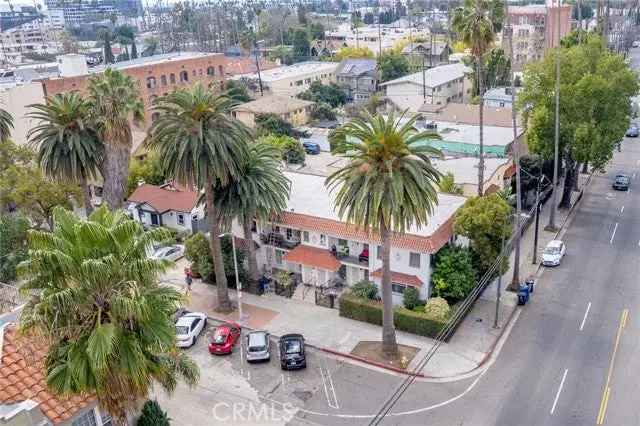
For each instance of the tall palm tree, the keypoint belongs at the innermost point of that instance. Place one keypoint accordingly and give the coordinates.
(97, 303)
(200, 144)
(258, 192)
(388, 186)
(6, 125)
(476, 23)
(68, 148)
(114, 102)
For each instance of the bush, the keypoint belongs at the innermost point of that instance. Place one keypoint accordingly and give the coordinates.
(13, 244)
(198, 252)
(365, 289)
(404, 319)
(153, 415)
(411, 298)
(454, 275)
(291, 149)
(437, 309)
(323, 111)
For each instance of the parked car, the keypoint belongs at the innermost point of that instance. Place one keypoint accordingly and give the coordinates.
(174, 252)
(553, 253)
(188, 328)
(258, 346)
(633, 131)
(224, 338)
(621, 182)
(292, 352)
(311, 148)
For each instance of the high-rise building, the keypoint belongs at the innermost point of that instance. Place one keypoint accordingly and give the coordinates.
(12, 16)
(78, 12)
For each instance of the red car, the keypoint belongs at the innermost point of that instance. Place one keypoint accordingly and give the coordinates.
(224, 338)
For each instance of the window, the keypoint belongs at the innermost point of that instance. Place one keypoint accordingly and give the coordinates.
(184, 76)
(398, 288)
(220, 70)
(200, 71)
(155, 116)
(211, 71)
(299, 83)
(323, 239)
(195, 323)
(151, 82)
(289, 233)
(172, 78)
(163, 80)
(88, 418)
(379, 253)
(342, 243)
(180, 219)
(414, 260)
(279, 254)
(305, 236)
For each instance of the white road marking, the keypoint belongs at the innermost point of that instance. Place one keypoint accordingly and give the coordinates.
(622, 210)
(555, 401)
(329, 389)
(585, 316)
(615, 228)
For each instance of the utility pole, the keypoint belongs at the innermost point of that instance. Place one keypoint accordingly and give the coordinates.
(424, 81)
(379, 33)
(258, 68)
(499, 286)
(535, 234)
(554, 195)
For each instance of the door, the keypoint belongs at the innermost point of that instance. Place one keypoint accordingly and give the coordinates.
(155, 219)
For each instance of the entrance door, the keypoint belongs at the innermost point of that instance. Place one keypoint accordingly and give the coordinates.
(155, 219)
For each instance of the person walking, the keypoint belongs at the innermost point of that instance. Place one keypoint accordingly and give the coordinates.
(188, 279)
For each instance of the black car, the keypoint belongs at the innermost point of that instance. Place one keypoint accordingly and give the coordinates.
(621, 182)
(292, 352)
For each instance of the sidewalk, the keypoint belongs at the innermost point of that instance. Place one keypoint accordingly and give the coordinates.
(323, 328)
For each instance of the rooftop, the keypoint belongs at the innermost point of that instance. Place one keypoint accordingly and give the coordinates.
(502, 94)
(273, 104)
(435, 76)
(467, 114)
(295, 70)
(246, 65)
(165, 198)
(357, 66)
(465, 169)
(531, 9)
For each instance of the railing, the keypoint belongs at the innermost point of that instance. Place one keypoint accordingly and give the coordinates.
(278, 240)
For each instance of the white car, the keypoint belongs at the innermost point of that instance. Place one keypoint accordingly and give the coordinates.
(188, 327)
(553, 253)
(174, 252)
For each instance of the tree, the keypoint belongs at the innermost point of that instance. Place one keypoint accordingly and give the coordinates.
(97, 302)
(271, 124)
(114, 101)
(302, 14)
(323, 111)
(392, 65)
(388, 185)
(448, 185)
(68, 148)
(153, 415)
(6, 125)
(353, 53)
(151, 46)
(13, 244)
(497, 73)
(259, 192)
(134, 50)
(410, 298)
(200, 143)
(368, 18)
(237, 91)
(290, 149)
(148, 170)
(197, 250)
(476, 23)
(301, 46)
(453, 275)
(485, 221)
(330, 94)
(106, 37)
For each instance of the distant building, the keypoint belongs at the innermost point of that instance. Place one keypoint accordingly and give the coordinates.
(359, 77)
(79, 12)
(291, 80)
(13, 16)
(15, 98)
(371, 37)
(498, 97)
(292, 110)
(427, 54)
(239, 65)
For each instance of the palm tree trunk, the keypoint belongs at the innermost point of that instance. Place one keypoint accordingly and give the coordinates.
(481, 111)
(116, 170)
(389, 344)
(251, 254)
(224, 304)
(86, 195)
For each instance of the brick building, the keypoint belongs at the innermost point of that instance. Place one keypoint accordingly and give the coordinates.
(156, 75)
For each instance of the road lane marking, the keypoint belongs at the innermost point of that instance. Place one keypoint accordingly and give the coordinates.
(622, 210)
(555, 401)
(585, 316)
(607, 387)
(329, 389)
(615, 228)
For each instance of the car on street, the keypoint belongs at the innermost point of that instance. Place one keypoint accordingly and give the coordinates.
(633, 131)
(258, 346)
(311, 148)
(224, 338)
(172, 253)
(188, 328)
(292, 352)
(553, 253)
(621, 182)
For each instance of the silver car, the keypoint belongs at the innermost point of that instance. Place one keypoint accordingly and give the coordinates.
(258, 346)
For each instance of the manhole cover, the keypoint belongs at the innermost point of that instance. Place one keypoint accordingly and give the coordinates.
(302, 395)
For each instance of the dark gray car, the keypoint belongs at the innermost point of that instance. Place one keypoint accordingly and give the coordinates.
(621, 182)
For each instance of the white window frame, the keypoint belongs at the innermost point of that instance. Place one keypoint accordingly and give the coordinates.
(412, 256)
(398, 285)
(305, 236)
(180, 218)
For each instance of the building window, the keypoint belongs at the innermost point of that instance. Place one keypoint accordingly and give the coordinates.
(279, 254)
(163, 80)
(289, 232)
(305, 236)
(323, 239)
(398, 288)
(299, 83)
(211, 71)
(151, 82)
(200, 71)
(172, 78)
(88, 418)
(180, 219)
(220, 70)
(379, 253)
(155, 116)
(414, 260)
(184, 76)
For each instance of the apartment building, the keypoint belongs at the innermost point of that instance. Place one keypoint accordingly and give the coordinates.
(292, 110)
(359, 78)
(156, 75)
(535, 30)
(372, 37)
(76, 13)
(309, 240)
(27, 38)
(290, 80)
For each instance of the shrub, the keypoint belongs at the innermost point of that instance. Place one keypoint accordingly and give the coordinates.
(437, 309)
(291, 149)
(198, 252)
(365, 290)
(153, 415)
(411, 298)
(454, 275)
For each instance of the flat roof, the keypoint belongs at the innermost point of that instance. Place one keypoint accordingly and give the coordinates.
(309, 196)
(289, 71)
(435, 76)
(273, 104)
(151, 60)
(465, 169)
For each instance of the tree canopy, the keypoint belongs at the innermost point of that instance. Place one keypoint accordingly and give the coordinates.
(353, 53)
(331, 94)
(392, 65)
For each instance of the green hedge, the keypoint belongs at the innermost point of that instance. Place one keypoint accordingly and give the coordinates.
(405, 320)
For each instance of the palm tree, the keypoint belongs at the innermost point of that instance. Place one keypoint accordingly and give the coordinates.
(96, 301)
(68, 148)
(114, 103)
(476, 23)
(6, 125)
(258, 192)
(200, 144)
(388, 186)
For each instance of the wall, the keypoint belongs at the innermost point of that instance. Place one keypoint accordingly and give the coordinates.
(294, 85)
(410, 95)
(299, 117)
(15, 101)
(169, 219)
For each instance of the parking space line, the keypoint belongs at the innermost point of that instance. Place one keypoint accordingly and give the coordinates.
(622, 210)
(329, 389)
(555, 401)
(615, 228)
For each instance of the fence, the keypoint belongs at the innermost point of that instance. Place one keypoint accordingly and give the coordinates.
(10, 298)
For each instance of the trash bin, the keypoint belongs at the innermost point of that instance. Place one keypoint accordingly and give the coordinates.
(531, 283)
(523, 294)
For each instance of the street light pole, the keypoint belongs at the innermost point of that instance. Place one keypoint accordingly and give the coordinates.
(554, 195)
(535, 235)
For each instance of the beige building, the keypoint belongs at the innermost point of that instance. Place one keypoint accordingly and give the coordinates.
(15, 99)
(292, 110)
(291, 80)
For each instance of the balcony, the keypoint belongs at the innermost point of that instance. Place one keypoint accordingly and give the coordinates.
(278, 240)
(343, 254)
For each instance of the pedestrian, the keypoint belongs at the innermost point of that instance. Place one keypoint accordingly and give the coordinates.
(188, 279)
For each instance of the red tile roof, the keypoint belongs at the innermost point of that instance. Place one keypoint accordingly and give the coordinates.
(247, 65)
(165, 198)
(312, 256)
(418, 243)
(400, 278)
(22, 377)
